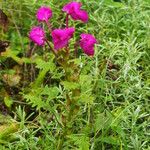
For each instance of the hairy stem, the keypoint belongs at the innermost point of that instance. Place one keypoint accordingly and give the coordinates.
(53, 51)
(67, 21)
(49, 26)
(76, 49)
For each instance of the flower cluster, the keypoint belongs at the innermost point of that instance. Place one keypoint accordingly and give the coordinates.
(61, 37)
(44, 14)
(37, 35)
(74, 10)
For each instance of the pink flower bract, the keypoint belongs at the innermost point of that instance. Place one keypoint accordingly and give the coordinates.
(87, 43)
(37, 35)
(44, 13)
(73, 9)
(61, 37)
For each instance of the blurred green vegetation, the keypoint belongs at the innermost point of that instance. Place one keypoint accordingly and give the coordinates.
(120, 114)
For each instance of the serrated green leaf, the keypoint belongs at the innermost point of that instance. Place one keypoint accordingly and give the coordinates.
(70, 85)
(119, 130)
(86, 98)
(81, 141)
(52, 92)
(110, 140)
(85, 83)
(41, 64)
(34, 100)
(103, 121)
(100, 122)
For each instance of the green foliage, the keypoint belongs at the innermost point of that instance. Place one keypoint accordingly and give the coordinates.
(70, 85)
(41, 64)
(40, 97)
(110, 103)
(81, 141)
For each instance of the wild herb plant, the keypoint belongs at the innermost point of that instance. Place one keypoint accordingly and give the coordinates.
(63, 98)
(113, 115)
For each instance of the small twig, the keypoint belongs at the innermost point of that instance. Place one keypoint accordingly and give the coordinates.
(67, 50)
(54, 52)
(31, 50)
(76, 49)
(67, 21)
(49, 26)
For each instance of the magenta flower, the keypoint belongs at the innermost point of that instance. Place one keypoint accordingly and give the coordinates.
(73, 9)
(44, 13)
(87, 43)
(37, 35)
(61, 37)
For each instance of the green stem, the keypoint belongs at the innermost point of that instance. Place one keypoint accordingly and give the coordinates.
(40, 77)
(53, 51)
(70, 101)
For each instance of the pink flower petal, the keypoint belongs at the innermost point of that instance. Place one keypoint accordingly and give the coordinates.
(37, 35)
(44, 13)
(80, 15)
(74, 10)
(87, 43)
(71, 7)
(61, 37)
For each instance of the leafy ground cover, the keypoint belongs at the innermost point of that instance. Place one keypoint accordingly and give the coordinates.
(114, 110)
